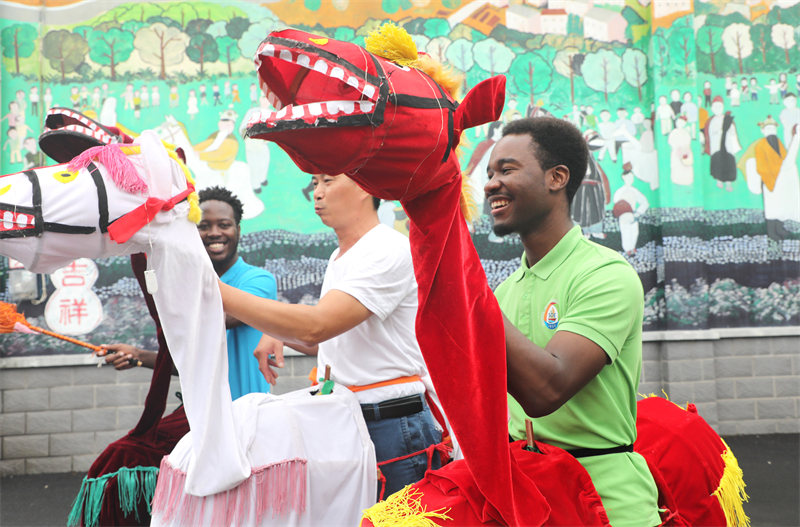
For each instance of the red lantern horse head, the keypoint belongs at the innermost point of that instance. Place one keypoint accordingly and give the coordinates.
(342, 109)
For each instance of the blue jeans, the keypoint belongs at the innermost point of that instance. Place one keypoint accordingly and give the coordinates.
(399, 436)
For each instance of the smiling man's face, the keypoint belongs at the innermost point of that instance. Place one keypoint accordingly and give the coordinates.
(220, 234)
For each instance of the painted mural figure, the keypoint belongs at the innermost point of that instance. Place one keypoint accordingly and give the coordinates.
(593, 194)
(96, 104)
(754, 89)
(155, 97)
(692, 113)
(607, 130)
(74, 97)
(33, 157)
(735, 95)
(174, 98)
(722, 143)
(783, 84)
(13, 143)
(681, 158)
(789, 116)
(675, 103)
(637, 118)
(256, 151)
(639, 153)
(629, 205)
(665, 115)
(191, 105)
(220, 148)
(34, 100)
(707, 93)
(590, 118)
(772, 172)
(108, 113)
(48, 98)
(127, 97)
(15, 115)
(772, 88)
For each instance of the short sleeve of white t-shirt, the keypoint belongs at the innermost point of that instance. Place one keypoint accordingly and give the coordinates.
(378, 272)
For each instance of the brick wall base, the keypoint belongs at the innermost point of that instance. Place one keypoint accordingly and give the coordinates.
(59, 413)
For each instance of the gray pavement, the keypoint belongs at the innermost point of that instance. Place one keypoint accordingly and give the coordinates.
(771, 465)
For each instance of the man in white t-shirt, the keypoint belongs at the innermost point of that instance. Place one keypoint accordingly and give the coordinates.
(362, 327)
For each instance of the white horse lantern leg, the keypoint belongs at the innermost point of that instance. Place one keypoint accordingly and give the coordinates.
(127, 199)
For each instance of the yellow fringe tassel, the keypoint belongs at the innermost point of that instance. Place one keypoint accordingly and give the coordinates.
(195, 214)
(404, 509)
(468, 205)
(731, 493)
(392, 42)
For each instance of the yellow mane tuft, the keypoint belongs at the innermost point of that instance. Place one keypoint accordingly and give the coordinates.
(392, 42)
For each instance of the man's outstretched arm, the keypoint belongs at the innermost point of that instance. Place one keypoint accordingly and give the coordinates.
(542, 379)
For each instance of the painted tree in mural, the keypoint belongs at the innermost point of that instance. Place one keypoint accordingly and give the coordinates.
(202, 46)
(182, 12)
(161, 46)
(634, 68)
(391, 6)
(602, 71)
(111, 47)
(64, 50)
(436, 27)
(459, 55)
(138, 11)
(254, 34)
(709, 41)
(660, 51)
(18, 42)
(737, 43)
(460, 31)
(421, 41)
(567, 63)
(345, 34)
(493, 56)
(437, 48)
(531, 73)
(783, 37)
(682, 46)
(760, 35)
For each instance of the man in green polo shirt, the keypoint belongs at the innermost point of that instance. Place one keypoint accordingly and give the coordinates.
(573, 318)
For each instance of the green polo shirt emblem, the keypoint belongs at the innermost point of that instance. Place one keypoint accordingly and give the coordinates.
(551, 316)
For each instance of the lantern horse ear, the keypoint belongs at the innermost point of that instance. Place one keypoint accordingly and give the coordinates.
(482, 104)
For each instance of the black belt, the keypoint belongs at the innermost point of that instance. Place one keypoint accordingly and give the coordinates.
(588, 452)
(400, 407)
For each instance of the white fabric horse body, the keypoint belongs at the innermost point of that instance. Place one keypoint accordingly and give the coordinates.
(50, 216)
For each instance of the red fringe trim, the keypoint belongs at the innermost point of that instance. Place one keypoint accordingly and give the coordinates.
(280, 487)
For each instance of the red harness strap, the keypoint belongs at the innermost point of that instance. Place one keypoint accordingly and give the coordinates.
(444, 448)
(123, 228)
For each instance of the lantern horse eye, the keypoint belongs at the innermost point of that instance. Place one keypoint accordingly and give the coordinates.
(65, 177)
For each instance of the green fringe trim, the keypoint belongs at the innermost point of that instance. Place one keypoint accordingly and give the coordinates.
(133, 485)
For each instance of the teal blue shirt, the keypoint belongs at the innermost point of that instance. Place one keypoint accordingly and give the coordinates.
(243, 373)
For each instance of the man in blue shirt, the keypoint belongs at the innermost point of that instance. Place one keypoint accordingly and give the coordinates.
(220, 230)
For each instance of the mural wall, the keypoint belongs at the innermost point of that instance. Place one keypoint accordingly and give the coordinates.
(689, 107)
